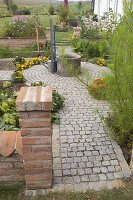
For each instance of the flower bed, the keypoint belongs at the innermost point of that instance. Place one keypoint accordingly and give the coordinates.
(98, 88)
(24, 27)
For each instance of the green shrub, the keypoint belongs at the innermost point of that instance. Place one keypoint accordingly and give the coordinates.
(26, 11)
(18, 77)
(14, 8)
(120, 93)
(86, 48)
(51, 10)
(6, 52)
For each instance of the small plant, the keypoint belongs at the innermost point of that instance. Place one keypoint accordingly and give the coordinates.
(38, 84)
(9, 118)
(26, 11)
(51, 10)
(22, 64)
(14, 8)
(18, 60)
(98, 89)
(18, 77)
(101, 62)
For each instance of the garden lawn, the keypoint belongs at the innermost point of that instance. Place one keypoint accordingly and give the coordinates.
(63, 38)
(116, 194)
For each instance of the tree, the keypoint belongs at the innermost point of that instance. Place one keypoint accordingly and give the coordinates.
(8, 4)
(66, 3)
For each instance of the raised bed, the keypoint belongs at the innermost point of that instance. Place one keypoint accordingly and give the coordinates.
(11, 160)
(20, 42)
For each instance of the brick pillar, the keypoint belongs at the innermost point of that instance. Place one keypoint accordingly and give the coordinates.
(34, 105)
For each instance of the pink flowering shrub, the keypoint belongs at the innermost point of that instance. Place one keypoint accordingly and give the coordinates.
(23, 27)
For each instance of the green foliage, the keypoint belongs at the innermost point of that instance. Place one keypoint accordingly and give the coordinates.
(89, 32)
(14, 8)
(6, 52)
(63, 13)
(91, 49)
(18, 77)
(51, 10)
(86, 48)
(26, 11)
(38, 84)
(18, 60)
(23, 27)
(58, 102)
(98, 88)
(9, 119)
(120, 93)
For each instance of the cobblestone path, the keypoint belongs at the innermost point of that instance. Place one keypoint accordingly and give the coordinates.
(82, 150)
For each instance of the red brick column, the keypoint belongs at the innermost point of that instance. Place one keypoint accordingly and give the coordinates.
(34, 105)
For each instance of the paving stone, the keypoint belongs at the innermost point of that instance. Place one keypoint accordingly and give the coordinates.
(81, 171)
(83, 139)
(111, 168)
(104, 169)
(118, 175)
(93, 178)
(88, 171)
(114, 162)
(66, 172)
(110, 176)
(105, 163)
(102, 177)
(67, 180)
(73, 172)
(66, 166)
(96, 170)
(77, 179)
(85, 178)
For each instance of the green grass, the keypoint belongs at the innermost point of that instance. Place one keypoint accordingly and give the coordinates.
(63, 38)
(116, 194)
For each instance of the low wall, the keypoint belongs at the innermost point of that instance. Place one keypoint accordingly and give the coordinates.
(19, 42)
(11, 170)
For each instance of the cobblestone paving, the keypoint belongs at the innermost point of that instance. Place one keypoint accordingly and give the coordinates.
(83, 151)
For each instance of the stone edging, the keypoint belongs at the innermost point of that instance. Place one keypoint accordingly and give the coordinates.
(81, 187)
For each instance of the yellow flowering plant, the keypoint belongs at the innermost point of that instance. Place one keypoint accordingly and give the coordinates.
(18, 77)
(29, 63)
(101, 62)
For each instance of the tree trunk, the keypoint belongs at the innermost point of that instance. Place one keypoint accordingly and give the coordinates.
(66, 3)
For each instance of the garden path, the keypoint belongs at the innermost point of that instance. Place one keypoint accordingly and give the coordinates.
(82, 150)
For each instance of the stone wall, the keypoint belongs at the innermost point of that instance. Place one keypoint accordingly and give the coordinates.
(11, 169)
